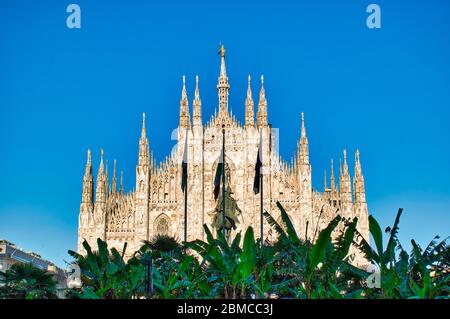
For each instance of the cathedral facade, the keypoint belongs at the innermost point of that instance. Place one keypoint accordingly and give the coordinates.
(157, 204)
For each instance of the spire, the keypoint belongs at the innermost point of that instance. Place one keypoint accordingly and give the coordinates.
(143, 131)
(88, 170)
(325, 187)
(261, 117)
(144, 153)
(101, 168)
(184, 106)
(304, 177)
(262, 92)
(345, 168)
(249, 89)
(223, 69)
(304, 148)
(197, 112)
(223, 87)
(114, 180)
(249, 105)
(303, 132)
(183, 90)
(358, 181)
(101, 190)
(332, 179)
(121, 182)
(197, 92)
(106, 177)
(88, 181)
(345, 185)
(358, 170)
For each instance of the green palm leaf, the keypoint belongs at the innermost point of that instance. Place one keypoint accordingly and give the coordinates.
(377, 235)
(248, 256)
(347, 239)
(318, 250)
(290, 229)
(390, 248)
(273, 223)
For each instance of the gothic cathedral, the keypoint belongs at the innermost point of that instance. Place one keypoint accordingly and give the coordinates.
(156, 205)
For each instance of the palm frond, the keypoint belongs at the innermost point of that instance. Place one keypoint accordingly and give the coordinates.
(273, 223)
(318, 250)
(290, 229)
(389, 255)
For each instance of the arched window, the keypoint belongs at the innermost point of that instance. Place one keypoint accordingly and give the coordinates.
(162, 225)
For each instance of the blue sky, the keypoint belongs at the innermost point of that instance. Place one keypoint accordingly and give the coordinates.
(62, 91)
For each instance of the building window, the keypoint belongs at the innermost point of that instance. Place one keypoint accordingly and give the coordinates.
(162, 225)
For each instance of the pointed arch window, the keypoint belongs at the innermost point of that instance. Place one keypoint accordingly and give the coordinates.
(162, 225)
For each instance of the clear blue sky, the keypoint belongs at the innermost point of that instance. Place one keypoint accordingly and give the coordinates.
(62, 91)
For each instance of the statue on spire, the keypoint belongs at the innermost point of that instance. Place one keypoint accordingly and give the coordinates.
(222, 50)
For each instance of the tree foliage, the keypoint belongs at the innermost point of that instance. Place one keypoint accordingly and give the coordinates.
(290, 267)
(25, 281)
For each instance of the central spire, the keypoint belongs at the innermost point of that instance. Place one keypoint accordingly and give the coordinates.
(223, 87)
(223, 70)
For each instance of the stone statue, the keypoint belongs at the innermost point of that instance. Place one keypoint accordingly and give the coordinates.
(232, 213)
